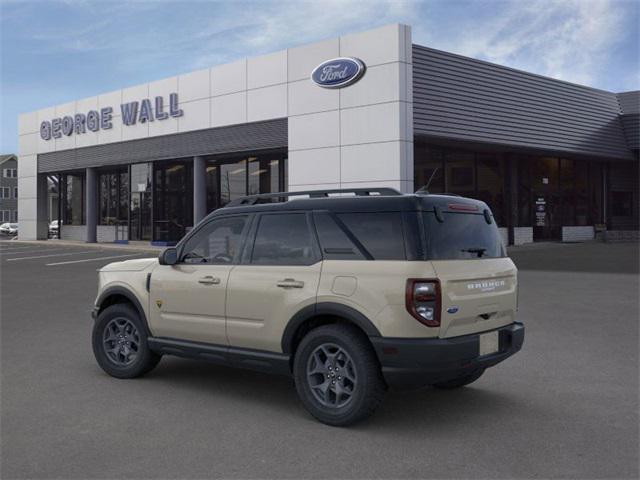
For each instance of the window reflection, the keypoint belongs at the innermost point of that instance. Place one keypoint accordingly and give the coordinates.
(230, 178)
(113, 197)
(73, 199)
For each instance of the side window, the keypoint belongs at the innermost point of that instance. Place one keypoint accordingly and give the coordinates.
(217, 243)
(283, 239)
(335, 243)
(379, 233)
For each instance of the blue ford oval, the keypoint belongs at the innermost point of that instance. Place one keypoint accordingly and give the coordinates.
(338, 72)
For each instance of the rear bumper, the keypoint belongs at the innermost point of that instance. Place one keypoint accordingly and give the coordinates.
(413, 363)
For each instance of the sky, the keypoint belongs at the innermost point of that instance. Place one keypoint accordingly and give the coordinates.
(55, 51)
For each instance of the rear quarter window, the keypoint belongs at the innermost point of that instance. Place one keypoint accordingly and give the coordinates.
(462, 236)
(381, 234)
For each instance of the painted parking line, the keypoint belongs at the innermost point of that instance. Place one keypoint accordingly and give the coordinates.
(52, 255)
(93, 259)
(34, 250)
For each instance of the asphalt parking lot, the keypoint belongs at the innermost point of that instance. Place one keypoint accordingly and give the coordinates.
(564, 407)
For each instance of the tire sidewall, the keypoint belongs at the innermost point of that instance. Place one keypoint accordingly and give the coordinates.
(344, 414)
(144, 358)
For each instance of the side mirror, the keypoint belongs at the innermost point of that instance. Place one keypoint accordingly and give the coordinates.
(169, 256)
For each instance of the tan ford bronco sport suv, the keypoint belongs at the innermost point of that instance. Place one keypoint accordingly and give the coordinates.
(349, 293)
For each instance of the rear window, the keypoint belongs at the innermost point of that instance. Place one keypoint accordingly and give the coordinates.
(462, 236)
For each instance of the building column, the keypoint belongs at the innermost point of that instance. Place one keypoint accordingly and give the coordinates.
(42, 215)
(199, 189)
(91, 210)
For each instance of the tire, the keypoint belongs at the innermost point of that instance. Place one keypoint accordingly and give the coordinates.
(460, 381)
(130, 356)
(359, 387)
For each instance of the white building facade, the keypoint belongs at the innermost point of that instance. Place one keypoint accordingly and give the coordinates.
(148, 162)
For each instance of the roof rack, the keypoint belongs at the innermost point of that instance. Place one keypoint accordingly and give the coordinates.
(283, 196)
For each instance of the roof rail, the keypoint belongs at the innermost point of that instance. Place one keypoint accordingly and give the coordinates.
(281, 196)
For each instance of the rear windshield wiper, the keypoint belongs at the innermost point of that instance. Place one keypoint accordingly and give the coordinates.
(478, 251)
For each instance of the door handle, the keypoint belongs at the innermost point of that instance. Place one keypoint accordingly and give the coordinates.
(209, 280)
(290, 283)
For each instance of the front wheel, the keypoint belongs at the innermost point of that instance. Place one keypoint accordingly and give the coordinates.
(119, 342)
(337, 375)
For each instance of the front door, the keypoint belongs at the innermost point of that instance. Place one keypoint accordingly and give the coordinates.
(546, 199)
(188, 300)
(280, 278)
(140, 219)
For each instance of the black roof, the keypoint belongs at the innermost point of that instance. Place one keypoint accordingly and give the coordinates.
(364, 203)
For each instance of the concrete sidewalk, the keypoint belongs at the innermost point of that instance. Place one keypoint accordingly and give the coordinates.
(131, 246)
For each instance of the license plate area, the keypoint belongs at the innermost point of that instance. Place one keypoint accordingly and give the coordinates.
(489, 343)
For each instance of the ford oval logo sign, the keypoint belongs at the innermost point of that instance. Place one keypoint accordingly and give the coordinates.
(338, 73)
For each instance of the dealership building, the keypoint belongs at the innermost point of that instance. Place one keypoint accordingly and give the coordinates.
(553, 160)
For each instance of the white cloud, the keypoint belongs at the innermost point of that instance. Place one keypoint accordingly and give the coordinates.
(569, 40)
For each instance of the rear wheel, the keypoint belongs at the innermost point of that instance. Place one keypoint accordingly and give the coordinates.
(119, 342)
(460, 381)
(337, 375)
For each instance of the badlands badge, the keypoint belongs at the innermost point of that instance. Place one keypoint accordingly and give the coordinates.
(159, 303)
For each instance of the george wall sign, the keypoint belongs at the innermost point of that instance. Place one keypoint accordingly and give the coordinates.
(94, 120)
(339, 72)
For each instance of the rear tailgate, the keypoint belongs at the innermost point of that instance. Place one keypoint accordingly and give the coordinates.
(477, 294)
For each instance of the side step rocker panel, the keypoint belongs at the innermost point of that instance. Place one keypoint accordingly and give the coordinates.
(278, 363)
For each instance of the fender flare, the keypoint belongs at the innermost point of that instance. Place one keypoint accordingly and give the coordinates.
(129, 295)
(325, 308)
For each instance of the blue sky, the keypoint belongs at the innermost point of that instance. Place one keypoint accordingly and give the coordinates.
(57, 51)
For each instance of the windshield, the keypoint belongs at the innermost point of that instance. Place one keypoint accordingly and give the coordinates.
(462, 236)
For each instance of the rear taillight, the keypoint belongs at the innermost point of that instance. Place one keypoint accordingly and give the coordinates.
(423, 301)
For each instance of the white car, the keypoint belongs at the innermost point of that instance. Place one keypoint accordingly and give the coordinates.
(9, 228)
(54, 229)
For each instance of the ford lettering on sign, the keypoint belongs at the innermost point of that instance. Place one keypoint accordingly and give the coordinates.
(338, 73)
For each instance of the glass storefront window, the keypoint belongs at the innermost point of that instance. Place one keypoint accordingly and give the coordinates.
(460, 175)
(428, 168)
(490, 184)
(548, 192)
(140, 202)
(523, 176)
(596, 189)
(113, 198)
(231, 178)
(581, 172)
(73, 199)
(233, 181)
(172, 199)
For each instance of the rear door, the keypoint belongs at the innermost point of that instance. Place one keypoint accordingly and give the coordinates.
(478, 281)
(279, 276)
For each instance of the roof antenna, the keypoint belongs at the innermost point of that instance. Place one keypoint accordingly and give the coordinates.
(424, 190)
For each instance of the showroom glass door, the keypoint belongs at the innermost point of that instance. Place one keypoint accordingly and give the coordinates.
(140, 219)
(172, 200)
(546, 199)
(140, 203)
